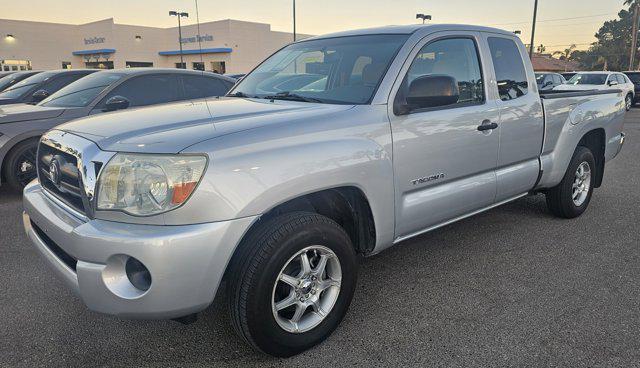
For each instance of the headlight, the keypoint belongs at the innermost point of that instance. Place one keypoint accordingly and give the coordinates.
(144, 185)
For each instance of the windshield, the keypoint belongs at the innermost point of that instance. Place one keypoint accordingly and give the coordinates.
(82, 92)
(343, 70)
(25, 85)
(635, 77)
(596, 79)
(540, 78)
(8, 80)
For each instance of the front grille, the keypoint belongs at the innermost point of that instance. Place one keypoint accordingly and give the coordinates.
(64, 181)
(65, 257)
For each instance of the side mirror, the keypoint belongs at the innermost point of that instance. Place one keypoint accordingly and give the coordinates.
(116, 103)
(613, 83)
(430, 91)
(39, 95)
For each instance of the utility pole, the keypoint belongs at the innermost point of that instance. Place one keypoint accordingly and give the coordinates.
(533, 29)
(634, 36)
(294, 20)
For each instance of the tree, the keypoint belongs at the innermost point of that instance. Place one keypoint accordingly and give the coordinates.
(613, 45)
(566, 53)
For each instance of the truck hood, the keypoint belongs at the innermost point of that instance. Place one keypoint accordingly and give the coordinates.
(23, 112)
(170, 128)
(579, 87)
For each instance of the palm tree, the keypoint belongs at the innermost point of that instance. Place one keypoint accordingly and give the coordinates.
(541, 49)
(566, 53)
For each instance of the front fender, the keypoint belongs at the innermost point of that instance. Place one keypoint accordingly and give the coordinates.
(250, 173)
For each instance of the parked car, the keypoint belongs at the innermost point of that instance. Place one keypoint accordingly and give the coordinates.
(635, 79)
(143, 212)
(40, 86)
(21, 125)
(547, 81)
(601, 81)
(8, 81)
(4, 74)
(568, 75)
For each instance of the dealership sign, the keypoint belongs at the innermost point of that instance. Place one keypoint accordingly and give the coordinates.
(203, 38)
(94, 40)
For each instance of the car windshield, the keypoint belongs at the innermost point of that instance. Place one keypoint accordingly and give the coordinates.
(342, 70)
(595, 79)
(8, 80)
(82, 92)
(24, 85)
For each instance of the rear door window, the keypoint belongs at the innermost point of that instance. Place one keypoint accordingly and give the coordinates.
(510, 73)
(146, 90)
(196, 86)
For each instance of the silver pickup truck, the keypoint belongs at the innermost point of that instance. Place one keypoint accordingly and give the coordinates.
(334, 147)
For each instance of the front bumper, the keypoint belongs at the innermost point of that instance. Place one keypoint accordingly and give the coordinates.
(186, 263)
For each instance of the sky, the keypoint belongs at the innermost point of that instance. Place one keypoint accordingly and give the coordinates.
(561, 22)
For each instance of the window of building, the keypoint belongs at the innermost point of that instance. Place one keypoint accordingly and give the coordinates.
(66, 65)
(510, 72)
(454, 57)
(219, 67)
(196, 65)
(99, 64)
(138, 64)
(181, 65)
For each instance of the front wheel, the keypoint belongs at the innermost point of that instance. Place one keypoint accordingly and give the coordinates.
(571, 197)
(292, 283)
(628, 101)
(20, 164)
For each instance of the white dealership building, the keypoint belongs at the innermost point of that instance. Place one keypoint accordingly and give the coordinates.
(226, 46)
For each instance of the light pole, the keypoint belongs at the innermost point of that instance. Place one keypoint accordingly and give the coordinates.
(423, 17)
(533, 28)
(294, 20)
(180, 15)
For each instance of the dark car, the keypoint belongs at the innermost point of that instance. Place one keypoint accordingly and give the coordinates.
(635, 79)
(21, 125)
(547, 81)
(568, 75)
(8, 80)
(40, 86)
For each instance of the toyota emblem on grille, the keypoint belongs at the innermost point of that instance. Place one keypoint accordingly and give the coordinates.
(54, 172)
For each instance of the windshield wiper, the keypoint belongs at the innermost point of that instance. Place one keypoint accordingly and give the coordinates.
(291, 97)
(241, 94)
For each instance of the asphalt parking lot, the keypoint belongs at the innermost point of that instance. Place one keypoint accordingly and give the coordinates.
(510, 287)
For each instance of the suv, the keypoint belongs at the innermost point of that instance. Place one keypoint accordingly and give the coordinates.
(635, 79)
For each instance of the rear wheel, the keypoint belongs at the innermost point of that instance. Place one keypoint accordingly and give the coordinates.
(571, 197)
(20, 164)
(291, 283)
(628, 101)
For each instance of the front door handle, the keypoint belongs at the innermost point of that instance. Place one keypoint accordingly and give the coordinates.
(487, 125)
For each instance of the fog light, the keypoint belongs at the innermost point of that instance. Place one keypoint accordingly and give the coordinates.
(138, 275)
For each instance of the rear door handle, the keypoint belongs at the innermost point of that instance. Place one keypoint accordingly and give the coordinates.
(487, 125)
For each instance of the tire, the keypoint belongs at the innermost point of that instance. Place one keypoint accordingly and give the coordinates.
(20, 164)
(561, 199)
(628, 102)
(253, 290)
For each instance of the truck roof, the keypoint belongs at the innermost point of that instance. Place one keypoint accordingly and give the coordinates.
(409, 29)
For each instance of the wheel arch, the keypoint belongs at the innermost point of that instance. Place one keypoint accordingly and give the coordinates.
(595, 140)
(8, 148)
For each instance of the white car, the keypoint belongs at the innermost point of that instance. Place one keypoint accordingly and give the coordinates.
(601, 81)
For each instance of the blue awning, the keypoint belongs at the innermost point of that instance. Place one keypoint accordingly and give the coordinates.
(197, 52)
(93, 52)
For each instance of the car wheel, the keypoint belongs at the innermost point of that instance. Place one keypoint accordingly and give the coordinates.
(571, 197)
(628, 101)
(20, 164)
(291, 283)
